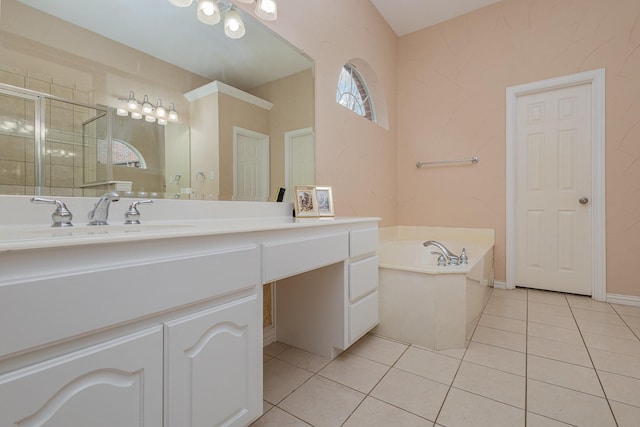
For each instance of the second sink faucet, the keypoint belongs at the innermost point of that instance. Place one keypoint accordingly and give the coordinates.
(100, 212)
(449, 256)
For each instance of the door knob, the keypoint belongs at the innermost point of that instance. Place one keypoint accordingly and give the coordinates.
(583, 200)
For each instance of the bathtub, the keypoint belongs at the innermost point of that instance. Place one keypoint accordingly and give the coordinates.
(426, 305)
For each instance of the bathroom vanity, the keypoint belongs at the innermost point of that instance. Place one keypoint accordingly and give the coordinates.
(161, 323)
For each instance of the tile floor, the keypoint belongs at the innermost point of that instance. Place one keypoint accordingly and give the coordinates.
(535, 358)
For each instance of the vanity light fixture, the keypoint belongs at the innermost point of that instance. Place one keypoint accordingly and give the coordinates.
(158, 114)
(211, 11)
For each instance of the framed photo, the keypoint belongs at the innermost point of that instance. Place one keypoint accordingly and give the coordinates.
(325, 201)
(306, 203)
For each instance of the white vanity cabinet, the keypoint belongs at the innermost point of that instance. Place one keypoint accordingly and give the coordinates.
(164, 328)
(115, 383)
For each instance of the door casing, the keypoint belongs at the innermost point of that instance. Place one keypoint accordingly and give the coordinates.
(596, 79)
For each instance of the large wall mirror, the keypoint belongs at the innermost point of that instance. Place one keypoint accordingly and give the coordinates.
(245, 107)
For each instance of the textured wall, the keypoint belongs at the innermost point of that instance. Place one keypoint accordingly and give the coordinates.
(451, 91)
(353, 155)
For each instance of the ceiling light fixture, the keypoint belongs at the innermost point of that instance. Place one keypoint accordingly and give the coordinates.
(211, 11)
(147, 108)
(173, 115)
(160, 111)
(132, 103)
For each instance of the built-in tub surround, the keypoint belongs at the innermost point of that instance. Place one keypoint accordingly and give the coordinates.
(169, 310)
(427, 305)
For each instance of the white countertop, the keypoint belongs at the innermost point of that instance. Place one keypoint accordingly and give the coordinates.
(28, 226)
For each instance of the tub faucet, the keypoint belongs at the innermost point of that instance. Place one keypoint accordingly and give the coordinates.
(449, 256)
(100, 212)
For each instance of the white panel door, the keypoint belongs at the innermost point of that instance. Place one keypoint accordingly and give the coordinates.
(250, 165)
(553, 188)
(299, 160)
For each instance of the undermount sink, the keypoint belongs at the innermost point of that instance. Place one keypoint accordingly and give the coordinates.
(97, 230)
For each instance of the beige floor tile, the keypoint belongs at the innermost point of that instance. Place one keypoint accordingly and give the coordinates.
(497, 301)
(355, 372)
(596, 316)
(429, 364)
(266, 358)
(457, 353)
(554, 333)
(266, 406)
(587, 303)
(619, 331)
(375, 413)
(518, 293)
(491, 383)
(626, 415)
(612, 344)
(616, 363)
(378, 349)
(275, 348)
(276, 417)
(495, 357)
(412, 393)
(510, 312)
(566, 405)
(281, 378)
(503, 323)
(303, 359)
(549, 309)
(633, 323)
(578, 378)
(552, 320)
(464, 409)
(627, 310)
(535, 420)
(322, 402)
(557, 350)
(621, 388)
(504, 339)
(547, 297)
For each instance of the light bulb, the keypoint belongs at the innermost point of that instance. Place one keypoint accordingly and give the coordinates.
(136, 115)
(160, 111)
(122, 112)
(162, 122)
(208, 12)
(149, 119)
(132, 103)
(147, 108)
(267, 10)
(173, 115)
(181, 3)
(233, 25)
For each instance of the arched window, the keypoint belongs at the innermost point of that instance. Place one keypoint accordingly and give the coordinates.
(353, 92)
(122, 154)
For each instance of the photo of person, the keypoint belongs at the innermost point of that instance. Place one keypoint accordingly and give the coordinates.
(325, 201)
(305, 201)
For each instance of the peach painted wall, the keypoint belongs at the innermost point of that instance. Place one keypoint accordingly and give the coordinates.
(451, 91)
(353, 155)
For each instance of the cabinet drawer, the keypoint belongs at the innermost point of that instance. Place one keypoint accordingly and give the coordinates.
(286, 259)
(363, 278)
(363, 316)
(363, 242)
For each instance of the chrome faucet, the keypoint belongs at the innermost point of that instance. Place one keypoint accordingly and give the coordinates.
(100, 212)
(448, 255)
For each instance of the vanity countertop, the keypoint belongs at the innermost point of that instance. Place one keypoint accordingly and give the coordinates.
(27, 226)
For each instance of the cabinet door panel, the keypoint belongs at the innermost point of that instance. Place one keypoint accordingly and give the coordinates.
(117, 383)
(212, 365)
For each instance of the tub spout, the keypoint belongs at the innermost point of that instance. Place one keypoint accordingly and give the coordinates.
(449, 256)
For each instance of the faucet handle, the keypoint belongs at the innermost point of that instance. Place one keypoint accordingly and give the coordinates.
(464, 258)
(61, 216)
(442, 261)
(132, 216)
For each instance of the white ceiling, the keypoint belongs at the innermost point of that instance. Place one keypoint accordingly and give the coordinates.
(407, 16)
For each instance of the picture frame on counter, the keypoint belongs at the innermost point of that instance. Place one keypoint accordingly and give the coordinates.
(306, 204)
(324, 197)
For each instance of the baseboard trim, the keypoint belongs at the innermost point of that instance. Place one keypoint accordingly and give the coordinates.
(268, 335)
(499, 285)
(623, 299)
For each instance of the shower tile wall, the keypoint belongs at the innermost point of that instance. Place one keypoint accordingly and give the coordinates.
(63, 143)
